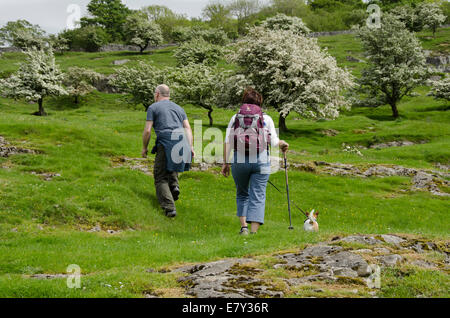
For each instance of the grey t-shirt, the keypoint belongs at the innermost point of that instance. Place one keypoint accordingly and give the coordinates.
(166, 116)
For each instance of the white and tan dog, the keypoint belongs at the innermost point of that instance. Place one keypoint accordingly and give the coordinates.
(311, 224)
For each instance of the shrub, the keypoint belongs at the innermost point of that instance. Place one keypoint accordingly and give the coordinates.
(89, 38)
(139, 82)
(80, 82)
(284, 22)
(197, 84)
(198, 51)
(59, 43)
(229, 91)
(212, 36)
(441, 89)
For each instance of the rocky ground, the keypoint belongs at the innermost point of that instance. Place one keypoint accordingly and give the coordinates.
(343, 266)
(429, 180)
(7, 149)
(436, 182)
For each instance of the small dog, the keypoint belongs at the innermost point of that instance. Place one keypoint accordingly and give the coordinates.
(311, 224)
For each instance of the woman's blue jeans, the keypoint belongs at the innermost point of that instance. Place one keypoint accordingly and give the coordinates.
(251, 183)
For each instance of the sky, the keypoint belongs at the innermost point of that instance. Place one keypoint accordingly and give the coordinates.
(52, 15)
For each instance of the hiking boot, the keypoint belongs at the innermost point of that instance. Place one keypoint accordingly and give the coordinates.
(171, 214)
(175, 193)
(244, 231)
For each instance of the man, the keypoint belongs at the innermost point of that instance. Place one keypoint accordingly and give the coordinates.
(173, 134)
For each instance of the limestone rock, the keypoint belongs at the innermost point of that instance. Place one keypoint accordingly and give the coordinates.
(362, 239)
(392, 239)
(120, 62)
(390, 260)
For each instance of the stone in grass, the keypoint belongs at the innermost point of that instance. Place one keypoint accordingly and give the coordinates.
(330, 132)
(362, 239)
(382, 250)
(364, 251)
(95, 229)
(345, 272)
(390, 260)
(423, 264)
(392, 239)
(120, 62)
(49, 276)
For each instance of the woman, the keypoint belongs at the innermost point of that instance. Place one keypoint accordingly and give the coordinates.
(250, 168)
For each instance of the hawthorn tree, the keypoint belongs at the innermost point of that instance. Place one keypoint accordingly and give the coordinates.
(37, 78)
(396, 64)
(23, 35)
(139, 82)
(292, 73)
(142, 32)
(198, 51)
(59, 43)
(197, 84)
(430, 15)
(80, 82)
(212, 36)
(284, 22)
(229, 91)
(441, 89)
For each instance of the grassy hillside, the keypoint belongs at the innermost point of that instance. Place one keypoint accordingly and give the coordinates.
(44, 225)
(339, 46)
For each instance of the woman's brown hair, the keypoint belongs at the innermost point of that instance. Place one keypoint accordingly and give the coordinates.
(251, 96)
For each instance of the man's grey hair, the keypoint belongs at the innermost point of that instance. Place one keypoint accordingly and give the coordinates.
(163, 90)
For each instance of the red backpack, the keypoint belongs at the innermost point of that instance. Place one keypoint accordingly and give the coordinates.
(249, 131)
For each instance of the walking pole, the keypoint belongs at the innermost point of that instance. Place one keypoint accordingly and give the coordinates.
(287, 189)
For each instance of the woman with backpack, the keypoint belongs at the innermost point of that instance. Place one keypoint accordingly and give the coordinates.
(249, 134)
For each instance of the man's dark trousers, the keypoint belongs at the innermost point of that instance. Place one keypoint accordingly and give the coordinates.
(165, 181)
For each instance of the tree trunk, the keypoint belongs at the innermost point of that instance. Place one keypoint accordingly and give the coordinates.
(76, 99)
(394, 110)
(143, 49)
(282, 123)
(41, 111)
(210, 117)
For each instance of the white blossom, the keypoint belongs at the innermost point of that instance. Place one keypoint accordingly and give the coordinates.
(139, 82)
(396, 63)
(142, 32)
(79, 81)
(197, 51)
(441, 89)
(284, 22)
(292, 73)
(196, 84)
(38, 77)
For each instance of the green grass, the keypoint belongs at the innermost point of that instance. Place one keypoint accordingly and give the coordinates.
(43, 224)
(101, 62)
(79, 143)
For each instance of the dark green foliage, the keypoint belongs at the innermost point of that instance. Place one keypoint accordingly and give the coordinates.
(109, 14)
(88, 38)
(22, 34)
